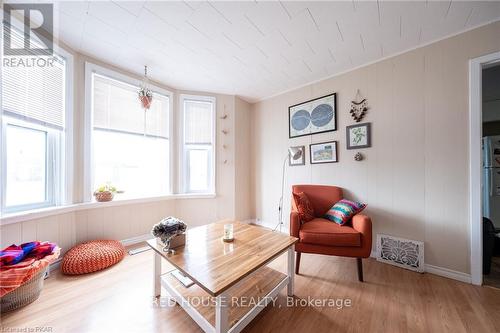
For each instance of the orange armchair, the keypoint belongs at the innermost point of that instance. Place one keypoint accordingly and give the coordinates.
(322, 236)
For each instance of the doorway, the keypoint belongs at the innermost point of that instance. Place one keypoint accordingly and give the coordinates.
(484, 171)
(491, 174)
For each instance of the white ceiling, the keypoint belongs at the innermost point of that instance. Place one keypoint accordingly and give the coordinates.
(257, 49)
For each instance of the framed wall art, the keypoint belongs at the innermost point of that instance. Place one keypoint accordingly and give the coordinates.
(318, 115)
(301, 160)
(359, 136)
(323, 152)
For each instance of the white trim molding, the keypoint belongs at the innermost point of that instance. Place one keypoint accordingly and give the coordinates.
(448, 273)
(476, 66)
(437, 270)
(136, 240)
(51, 211)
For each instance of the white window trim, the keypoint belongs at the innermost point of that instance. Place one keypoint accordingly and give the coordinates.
(91, 68)
(24, 216)
(64, 192)
(67, 148)
(182, 152)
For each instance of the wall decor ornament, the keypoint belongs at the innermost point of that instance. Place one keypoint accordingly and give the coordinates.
(358, 157)
(318, 115)
(359, 136)
(323, 152)
(359, 107)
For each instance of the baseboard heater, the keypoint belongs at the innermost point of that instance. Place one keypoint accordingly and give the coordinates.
(401, 252)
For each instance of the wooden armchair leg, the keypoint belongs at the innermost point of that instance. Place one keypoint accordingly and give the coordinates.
(360, 269)
(297, 262)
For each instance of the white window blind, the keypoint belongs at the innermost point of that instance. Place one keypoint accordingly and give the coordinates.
(34, 93)
(198, 120)
(198, 144)
(116, 107)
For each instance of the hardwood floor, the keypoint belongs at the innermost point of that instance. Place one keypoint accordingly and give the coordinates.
(390, 300)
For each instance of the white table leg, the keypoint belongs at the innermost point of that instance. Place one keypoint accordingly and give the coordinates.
(156, 275)
(221, 314)
(291, 270)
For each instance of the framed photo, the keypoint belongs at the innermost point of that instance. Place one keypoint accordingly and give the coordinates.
(359, 136)
(324, 152)
(299, 161)
(318, 115)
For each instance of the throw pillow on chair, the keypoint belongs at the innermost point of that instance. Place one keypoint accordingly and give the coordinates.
(304, 207)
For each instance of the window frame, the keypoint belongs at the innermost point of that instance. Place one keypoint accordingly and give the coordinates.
(60, 193)
(88, 174)
(183, 173)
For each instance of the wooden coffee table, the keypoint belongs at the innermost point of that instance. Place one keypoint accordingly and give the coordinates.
(232, 282)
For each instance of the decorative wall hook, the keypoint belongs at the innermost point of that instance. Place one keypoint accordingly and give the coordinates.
(359, 107)
(224, 131)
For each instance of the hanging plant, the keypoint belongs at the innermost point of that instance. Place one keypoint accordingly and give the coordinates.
(145, 94)
(146, 97)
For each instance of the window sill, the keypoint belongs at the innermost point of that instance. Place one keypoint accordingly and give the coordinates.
(50, 211)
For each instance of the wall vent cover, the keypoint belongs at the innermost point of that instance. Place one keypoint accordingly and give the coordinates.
(401, 252)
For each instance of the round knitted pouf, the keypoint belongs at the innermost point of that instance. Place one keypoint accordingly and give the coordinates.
(92, 256)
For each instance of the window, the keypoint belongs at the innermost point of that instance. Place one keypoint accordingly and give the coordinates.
(130, 147)
(198, 139)
(34, 131)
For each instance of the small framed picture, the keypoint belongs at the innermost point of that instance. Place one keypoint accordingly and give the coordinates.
(301, 160)
(324, 152)
(359, 136)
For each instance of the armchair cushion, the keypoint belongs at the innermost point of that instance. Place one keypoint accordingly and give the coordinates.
(320, 231)
(304, 207)
(343, 211)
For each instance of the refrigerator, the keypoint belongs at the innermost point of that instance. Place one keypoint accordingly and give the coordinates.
(491, 179)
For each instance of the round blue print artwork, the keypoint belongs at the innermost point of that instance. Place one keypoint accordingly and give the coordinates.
(322, 115)
(300, 120)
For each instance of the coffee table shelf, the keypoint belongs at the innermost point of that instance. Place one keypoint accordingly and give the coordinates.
(253, 293)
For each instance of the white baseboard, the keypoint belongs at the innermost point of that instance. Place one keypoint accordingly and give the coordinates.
(126, 242)
(135, 240)
(448, 273)
(440, 271)
(249, 221)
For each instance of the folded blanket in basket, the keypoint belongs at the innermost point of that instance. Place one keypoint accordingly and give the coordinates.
(13, 276)
(16, 253)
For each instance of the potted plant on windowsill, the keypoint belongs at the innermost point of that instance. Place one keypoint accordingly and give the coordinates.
(105, 193)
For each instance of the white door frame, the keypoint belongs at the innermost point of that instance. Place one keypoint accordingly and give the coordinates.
(476, 66)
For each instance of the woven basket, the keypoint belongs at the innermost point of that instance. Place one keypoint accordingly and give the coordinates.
(104, 196)
(27, 293)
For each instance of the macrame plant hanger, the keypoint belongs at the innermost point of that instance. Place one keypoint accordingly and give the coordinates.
(145, 96)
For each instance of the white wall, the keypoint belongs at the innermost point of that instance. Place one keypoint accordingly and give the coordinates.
(242, 160)
(414, 178)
